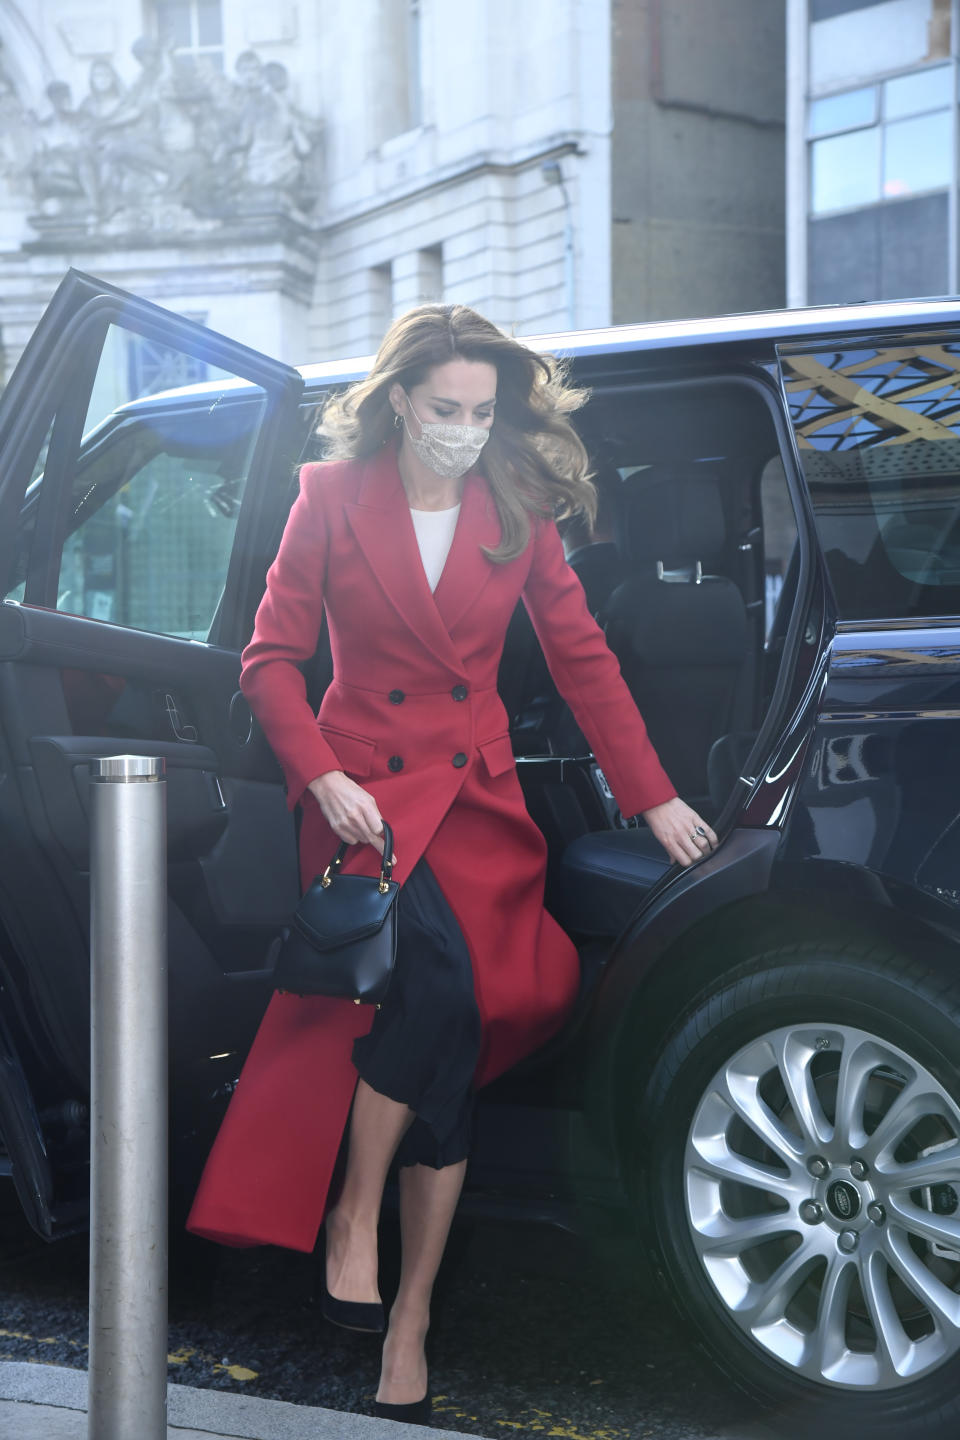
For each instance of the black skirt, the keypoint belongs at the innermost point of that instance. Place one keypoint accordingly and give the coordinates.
(423, 1048)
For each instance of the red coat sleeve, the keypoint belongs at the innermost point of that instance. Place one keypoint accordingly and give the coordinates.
(285, 634)
(588, 677)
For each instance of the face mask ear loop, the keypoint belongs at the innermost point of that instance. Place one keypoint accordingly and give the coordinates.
(415, 416)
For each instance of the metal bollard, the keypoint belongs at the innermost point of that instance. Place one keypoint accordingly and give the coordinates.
(128, 1148)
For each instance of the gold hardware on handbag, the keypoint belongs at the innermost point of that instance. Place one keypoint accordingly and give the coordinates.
(342, 939)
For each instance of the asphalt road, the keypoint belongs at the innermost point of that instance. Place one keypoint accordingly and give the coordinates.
(537, 1334)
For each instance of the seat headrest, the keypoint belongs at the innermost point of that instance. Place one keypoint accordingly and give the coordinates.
(673, 514)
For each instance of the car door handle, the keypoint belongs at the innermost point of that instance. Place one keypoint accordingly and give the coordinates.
(186, 733)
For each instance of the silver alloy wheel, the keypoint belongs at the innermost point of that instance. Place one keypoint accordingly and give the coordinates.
(822, 1184)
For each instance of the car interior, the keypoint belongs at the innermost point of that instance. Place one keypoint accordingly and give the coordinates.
(699, 587)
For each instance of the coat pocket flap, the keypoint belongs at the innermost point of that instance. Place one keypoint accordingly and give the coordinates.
(353, 751)
(497, 754)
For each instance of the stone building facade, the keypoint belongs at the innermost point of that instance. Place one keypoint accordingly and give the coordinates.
(296, 174)
(697, 158)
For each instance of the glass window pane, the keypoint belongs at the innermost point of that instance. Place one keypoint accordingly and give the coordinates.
(910, 94)
(845, 170)
(844, 112)
(209, 26)
(918, 154)
(155, 490)
(878, 431)
(154, 554)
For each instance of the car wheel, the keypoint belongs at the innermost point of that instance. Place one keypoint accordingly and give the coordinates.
(802, 1177)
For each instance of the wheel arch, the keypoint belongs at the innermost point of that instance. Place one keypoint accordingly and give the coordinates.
(812, 901)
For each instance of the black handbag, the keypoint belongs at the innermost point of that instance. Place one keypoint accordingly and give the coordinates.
(342, 940)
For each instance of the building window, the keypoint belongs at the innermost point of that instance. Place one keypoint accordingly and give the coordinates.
(414, 65)
(882, 142)
(194, 29)
(153, 366)
(431, 273)
(379, 302)
(399, 67)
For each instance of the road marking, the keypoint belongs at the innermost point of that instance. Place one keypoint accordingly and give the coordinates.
(36, 1339)
(183, 1356)
(539, 1422)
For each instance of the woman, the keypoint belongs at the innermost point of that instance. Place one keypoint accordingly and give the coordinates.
(455, 456)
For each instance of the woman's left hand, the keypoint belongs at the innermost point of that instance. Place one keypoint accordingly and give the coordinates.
(681, 831)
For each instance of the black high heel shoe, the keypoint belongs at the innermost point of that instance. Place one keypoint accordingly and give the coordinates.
(416, 1414)
(367, 1317)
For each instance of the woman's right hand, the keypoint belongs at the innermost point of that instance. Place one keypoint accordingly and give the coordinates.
(349, 810)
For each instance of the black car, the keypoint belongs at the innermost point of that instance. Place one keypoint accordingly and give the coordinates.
(763, 1074)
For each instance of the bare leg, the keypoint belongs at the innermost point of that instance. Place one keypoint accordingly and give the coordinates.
(377, 1126)
(428, 1199)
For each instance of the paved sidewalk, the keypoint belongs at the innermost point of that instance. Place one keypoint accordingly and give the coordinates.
(49, 1402)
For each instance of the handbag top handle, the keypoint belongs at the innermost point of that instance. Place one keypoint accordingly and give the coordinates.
(386, 865)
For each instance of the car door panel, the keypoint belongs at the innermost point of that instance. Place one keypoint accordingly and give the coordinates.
(875, 424)
(66, 657)
(88, 669)
(221, 790)
(196, 818)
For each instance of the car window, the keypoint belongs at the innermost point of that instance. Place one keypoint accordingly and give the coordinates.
(155, 491)
(878, 432)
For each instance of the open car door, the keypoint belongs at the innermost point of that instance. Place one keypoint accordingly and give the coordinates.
(140, 458)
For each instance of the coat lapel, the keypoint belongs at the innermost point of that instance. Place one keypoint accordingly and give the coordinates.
(467, 569)
(380, 521)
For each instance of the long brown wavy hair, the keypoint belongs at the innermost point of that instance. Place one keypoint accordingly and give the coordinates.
(534, 460)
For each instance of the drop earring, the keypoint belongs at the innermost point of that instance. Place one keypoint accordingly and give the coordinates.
(397, 420)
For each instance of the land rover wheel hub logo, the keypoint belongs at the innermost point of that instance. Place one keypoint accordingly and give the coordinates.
(843, 1200)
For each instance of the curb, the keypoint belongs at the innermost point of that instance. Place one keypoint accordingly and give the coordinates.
(31, 1395)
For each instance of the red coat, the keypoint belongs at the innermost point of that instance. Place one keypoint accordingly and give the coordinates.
(414, 716)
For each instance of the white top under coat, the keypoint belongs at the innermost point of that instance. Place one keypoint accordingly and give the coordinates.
(434, 530)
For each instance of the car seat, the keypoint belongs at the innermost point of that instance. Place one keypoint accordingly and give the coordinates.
(681, 634)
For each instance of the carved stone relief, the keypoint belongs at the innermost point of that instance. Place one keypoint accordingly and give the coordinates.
(182, 148)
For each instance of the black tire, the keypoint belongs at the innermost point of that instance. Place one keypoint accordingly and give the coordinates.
(843, 992)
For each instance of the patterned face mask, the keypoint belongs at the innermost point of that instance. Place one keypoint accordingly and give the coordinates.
(448, 450)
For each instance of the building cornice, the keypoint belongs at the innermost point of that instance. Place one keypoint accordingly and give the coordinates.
(458, 173)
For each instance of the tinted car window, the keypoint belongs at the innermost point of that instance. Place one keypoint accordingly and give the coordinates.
(878, 431)
(152, 551)
(156, 489)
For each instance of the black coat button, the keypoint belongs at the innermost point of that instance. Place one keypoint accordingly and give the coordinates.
(396, 697)
(459, 760)
(395, 762)
(459, 692)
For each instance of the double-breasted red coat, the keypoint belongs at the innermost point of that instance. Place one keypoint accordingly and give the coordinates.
(414, 716)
